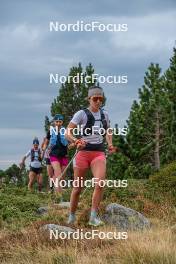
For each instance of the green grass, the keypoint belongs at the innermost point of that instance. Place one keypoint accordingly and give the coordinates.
(18, 206)
(21, 241)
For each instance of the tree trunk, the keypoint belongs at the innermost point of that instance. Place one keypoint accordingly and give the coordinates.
(157, 140)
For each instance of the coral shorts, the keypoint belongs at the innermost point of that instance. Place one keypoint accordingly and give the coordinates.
(62, 160)
(84, 159)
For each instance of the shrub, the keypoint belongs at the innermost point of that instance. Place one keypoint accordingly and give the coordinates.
(165, 179)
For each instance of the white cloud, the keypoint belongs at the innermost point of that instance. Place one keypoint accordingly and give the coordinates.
(18, 132)
(153, 34)
(29, 53)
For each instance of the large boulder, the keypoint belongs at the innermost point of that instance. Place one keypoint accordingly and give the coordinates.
(125, 218)
(59, 228)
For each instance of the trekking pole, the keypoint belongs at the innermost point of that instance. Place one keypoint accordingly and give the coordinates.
(69, 164)
(59, 178)
(66, 168)
(76, 152)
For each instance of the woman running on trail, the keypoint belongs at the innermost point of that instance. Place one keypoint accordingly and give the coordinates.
(58, 150)
(92, 150)
(35, 165)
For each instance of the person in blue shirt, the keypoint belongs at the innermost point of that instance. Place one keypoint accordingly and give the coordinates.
(58, 147)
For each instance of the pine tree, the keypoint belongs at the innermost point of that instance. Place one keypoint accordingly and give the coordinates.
(118, 163)
(13, 173)
(73, 96)
(170, 88)
(146, 123)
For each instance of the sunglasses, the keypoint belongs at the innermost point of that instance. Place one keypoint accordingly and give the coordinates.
(96, 98)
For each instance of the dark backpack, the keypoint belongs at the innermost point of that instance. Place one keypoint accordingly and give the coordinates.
(90, 123)
(91, 120)
(33, 155)
(59, 150)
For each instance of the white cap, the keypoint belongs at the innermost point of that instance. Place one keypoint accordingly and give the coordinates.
(95, 90)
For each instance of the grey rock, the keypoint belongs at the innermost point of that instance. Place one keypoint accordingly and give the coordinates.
(42, 210)
(173, 228)
(58, 228)
(64, 204)
(124, 218)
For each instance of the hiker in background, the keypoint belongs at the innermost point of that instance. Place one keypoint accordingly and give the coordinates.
(35, 165)
(58, 150)
(92, 150)
(49, 167)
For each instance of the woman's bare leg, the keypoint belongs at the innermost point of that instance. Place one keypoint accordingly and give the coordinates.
(32, 176)
(57, 173)
(79, 174)
(39, 181)
(99, 172)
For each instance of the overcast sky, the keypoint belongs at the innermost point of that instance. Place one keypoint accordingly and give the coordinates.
(29, 52)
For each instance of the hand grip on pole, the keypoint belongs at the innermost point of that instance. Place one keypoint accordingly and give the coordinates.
(80, 143)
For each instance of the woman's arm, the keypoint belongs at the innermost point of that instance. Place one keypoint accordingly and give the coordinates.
(70, 137)
(69, 132)
(45, 144)
(22, 163)
(111, 148)
(109, 138)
